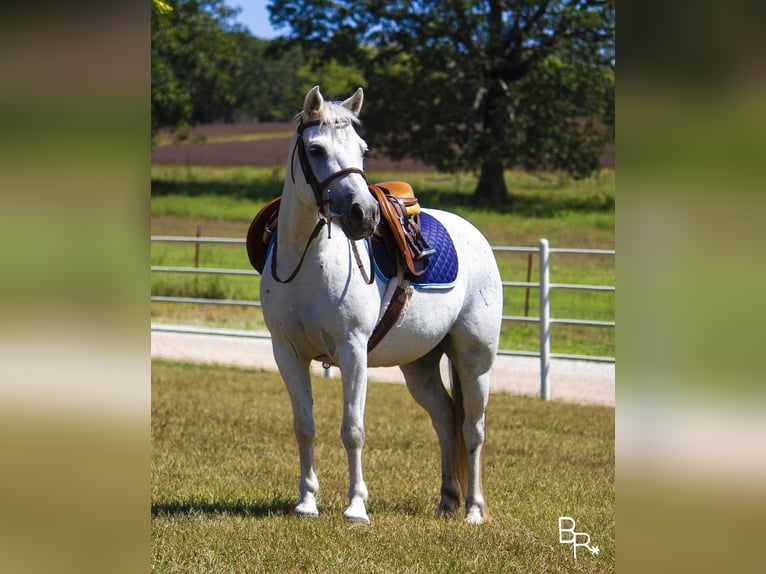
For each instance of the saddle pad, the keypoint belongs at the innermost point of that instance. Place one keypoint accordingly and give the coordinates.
(442, 267)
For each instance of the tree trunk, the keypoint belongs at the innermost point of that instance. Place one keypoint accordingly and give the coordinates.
(491, 187)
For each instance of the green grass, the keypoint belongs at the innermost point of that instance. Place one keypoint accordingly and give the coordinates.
(224, 475)
(186, 138)
(223, 201)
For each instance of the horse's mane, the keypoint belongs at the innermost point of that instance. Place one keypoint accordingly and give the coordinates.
(334, 114)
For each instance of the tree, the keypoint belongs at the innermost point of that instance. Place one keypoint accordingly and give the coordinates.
(195, 56)
(474, 84)
(266, 86)
(206, 68)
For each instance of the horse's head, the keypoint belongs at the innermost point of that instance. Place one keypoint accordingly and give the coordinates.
(331, 156)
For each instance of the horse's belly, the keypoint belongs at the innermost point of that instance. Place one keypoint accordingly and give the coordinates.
(425, 322)
(404, 349)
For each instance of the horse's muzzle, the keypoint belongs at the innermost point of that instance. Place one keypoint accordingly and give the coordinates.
(359, 222)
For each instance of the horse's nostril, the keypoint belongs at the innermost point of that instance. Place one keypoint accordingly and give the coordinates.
(357, 212)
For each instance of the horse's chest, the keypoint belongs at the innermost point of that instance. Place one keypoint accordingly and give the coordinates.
(315, 317)
(291, 311)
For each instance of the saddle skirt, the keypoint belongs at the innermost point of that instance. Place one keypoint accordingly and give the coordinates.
(259, 234)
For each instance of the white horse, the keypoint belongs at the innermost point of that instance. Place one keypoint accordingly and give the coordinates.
(318, 305)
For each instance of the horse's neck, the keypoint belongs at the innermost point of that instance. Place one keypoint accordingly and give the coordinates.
(297, 221)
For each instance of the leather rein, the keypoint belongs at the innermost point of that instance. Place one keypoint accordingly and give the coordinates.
(323, 204)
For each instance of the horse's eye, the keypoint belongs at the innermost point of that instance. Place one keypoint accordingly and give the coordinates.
(317, 151)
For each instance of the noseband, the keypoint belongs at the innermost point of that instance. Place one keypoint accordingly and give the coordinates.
(317, 187)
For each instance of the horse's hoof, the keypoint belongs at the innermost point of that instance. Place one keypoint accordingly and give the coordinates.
(445, 511)
(448, 506)
(307, 509)
(300, 513)
(356, 512)
(473, 516)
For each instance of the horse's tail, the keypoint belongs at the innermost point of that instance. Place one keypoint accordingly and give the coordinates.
(459, 459)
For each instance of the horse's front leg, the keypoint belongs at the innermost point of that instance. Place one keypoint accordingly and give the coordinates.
(295, 373)
(353, 367)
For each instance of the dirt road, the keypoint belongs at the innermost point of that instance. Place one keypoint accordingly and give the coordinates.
(573, 381)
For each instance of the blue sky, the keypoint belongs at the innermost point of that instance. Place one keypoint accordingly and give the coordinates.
(255, 17)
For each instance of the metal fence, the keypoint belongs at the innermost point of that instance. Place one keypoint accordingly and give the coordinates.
(543, 319)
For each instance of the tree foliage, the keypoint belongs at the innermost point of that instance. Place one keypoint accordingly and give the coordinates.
(474, 84)
(193, 61)
(206, 68)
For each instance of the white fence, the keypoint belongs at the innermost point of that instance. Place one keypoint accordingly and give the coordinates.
(543, 319)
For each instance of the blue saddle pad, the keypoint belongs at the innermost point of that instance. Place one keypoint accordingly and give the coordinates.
(442, 267)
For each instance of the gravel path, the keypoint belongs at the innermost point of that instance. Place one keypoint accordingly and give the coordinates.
(574, 381)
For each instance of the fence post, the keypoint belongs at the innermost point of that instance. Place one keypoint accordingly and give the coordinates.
(545, 320)
(529, 278)
(196, 259)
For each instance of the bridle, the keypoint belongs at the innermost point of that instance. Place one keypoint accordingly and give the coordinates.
(317, 186)
(323, 203)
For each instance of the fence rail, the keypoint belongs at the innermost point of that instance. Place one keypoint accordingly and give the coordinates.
(544, 320)
(203, 270)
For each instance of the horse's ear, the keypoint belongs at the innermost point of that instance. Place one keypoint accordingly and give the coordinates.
(312, 106)
(354, 103)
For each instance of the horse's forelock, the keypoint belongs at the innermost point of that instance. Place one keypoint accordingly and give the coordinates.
(332, 113)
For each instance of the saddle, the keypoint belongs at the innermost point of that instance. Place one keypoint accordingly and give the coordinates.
(259, 233)
(399, 227)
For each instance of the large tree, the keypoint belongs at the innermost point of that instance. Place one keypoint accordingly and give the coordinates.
(474, 84)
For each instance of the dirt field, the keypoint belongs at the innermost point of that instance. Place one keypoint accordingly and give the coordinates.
(267, 152)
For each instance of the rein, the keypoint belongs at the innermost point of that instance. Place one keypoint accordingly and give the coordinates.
(367, 279)
(314, 233)
(317, 187)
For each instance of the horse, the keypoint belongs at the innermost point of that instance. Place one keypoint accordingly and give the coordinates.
(321, 303)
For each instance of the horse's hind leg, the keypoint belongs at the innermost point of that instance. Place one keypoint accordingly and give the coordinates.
(471, 363)
(295, 374)
(425, 385)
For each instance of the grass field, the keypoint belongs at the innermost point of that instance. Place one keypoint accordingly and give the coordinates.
(223, 201)
(225, 473)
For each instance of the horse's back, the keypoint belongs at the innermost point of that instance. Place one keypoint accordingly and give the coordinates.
(475, 257)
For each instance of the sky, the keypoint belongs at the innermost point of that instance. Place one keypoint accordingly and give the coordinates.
(255, 17)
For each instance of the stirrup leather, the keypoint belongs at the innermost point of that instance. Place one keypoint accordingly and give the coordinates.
(400, 224)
